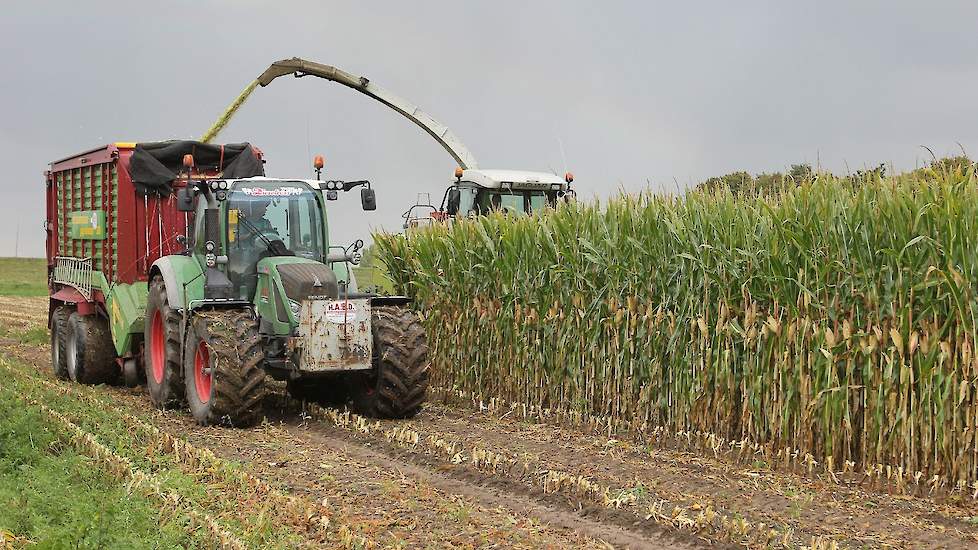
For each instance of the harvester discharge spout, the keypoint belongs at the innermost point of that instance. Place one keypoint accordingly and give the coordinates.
(301, 67)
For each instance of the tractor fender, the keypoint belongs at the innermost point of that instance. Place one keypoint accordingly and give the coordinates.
(183, 277)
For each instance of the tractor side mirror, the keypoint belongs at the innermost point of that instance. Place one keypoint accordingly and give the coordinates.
(454, 197)
(185, 199)
(368, 199)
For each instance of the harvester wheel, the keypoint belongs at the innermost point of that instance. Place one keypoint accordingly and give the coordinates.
(161, 352)
(59, 341)
(398, 384)
(89, 352)
(329, 392)
(223, 370)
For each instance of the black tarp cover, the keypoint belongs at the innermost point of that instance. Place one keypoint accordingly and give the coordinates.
(154, 166)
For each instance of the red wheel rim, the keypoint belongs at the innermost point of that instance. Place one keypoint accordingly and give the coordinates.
(157, 347)
(202, 379)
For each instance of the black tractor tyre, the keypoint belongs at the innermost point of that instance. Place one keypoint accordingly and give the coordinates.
(132, 375)
(223, 371)
(89, 352)
(398, 384)
(59, 341)
(161, 348)
(329, 392)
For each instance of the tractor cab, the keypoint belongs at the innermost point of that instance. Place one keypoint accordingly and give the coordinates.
(478, 192)
(265, 242)
(270, 218)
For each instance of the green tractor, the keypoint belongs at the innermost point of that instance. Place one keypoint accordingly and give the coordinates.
(257, 293)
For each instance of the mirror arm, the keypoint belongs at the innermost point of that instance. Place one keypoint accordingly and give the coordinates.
(348, 185)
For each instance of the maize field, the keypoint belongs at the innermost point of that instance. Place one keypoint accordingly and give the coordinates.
(836, 317)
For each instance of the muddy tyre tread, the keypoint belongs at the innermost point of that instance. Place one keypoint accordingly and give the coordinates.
(95, 352)
(238, 377)
(401, 374)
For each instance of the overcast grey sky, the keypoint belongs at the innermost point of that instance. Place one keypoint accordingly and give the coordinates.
(641, 94)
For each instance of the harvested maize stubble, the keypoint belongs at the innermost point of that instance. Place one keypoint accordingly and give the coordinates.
(836, 317)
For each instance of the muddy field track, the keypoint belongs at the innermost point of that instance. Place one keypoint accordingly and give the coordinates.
(456, 476)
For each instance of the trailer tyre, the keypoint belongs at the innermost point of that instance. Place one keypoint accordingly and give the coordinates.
(223, 370)
(89, 352)
(59, 342)
(161, 352)
(398, 384)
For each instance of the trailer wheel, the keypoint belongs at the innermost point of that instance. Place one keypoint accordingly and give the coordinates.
(223, 370)
(89, 352)
(398, 384)
(161, 352)
(59, 342)
(329, 392)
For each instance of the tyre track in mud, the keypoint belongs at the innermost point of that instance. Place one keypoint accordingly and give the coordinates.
(496, 493)
(299, 471)
(286, 452)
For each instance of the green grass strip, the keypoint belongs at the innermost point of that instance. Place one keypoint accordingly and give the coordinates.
(54, 497)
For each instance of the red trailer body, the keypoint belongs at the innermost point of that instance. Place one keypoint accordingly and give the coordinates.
(138, 228)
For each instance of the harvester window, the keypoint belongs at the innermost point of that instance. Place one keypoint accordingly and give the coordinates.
(538, 201)
(513, 201)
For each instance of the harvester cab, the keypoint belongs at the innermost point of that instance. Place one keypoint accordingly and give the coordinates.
(478, 192)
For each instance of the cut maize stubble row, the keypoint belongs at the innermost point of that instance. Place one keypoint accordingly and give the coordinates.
(882, 477)
(703, 520)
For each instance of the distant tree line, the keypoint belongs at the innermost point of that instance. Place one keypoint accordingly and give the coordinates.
(744, 183)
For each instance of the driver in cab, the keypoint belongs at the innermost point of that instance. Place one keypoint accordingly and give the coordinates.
(254, 212)
(258, 232)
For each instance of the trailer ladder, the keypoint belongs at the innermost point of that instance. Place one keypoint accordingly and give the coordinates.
(74, 272)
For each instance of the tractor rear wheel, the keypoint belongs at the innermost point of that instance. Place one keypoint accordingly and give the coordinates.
(89, 352)
(328, 392)
(398, 384)
(59, 341)
(223, 371)
(161, 349)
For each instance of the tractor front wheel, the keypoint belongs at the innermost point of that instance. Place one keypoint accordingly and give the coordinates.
(398, 384)
(161, 347)
(223, 373)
